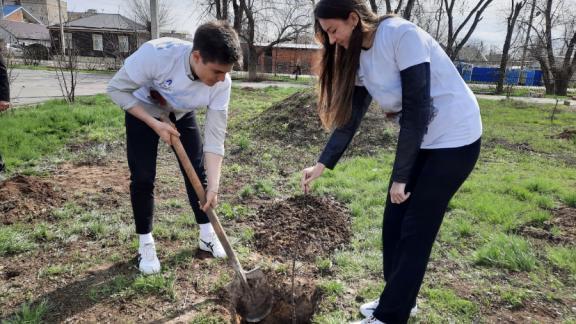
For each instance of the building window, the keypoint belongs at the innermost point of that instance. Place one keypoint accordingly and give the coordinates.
(68, 40)
(123, 45)
(97, 44)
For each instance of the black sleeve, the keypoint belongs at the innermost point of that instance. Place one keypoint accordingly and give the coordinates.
(416, 115)
(342, 136)
(4, 85)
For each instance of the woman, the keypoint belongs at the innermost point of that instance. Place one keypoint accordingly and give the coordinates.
(406, 71)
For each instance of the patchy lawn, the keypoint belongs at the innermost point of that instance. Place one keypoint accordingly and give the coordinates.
(506, 252)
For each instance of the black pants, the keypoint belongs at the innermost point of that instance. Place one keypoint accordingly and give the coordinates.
(409, 229)
(142, 149)
(1, 164)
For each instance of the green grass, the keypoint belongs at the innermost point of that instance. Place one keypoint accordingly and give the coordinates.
(28, 134)
(30, 314)
(158, 284)
(508, 252)
(14, 241)
(564, 258)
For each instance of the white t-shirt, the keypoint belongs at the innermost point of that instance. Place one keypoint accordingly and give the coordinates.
(398, 45)
(163, 65)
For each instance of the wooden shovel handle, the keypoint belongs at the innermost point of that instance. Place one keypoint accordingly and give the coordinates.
(199, 189)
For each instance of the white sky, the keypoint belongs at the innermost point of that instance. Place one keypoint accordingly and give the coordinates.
(491, 30)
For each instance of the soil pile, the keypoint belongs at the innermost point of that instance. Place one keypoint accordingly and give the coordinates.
(295, 122)
(302, 227)
(23, 198)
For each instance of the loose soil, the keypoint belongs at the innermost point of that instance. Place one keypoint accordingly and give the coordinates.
(301, 227)
(295, 122)
(26, 199)
(563, 218)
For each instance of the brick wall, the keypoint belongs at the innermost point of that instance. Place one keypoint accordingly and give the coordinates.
(284, 60)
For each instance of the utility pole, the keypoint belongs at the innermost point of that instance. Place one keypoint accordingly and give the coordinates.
(528, 29)
(154, 32)
(62, 40)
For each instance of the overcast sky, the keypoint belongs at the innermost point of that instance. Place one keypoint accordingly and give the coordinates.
(491, 30)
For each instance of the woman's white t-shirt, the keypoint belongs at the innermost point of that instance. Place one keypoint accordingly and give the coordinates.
(398, 45)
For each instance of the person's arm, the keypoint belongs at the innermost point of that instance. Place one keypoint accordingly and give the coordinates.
(416, 113)
(339, 140)
(214, 137)
(4, 86)
(342, 136)
(413, 60)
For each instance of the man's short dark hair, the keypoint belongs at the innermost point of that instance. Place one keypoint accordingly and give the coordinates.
(218, 43)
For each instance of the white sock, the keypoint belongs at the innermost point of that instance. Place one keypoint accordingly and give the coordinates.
(146, 238)
(206, 229)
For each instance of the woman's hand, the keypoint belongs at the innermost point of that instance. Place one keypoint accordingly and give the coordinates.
(211, 200)
(165, 130)
(397, 193)
(309, 175)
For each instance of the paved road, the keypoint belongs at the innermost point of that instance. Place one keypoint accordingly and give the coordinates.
(34, 86)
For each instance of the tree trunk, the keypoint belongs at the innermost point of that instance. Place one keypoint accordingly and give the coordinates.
(514, 12)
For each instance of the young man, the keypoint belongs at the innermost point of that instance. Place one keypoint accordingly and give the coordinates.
(173, 77)
(4, 95)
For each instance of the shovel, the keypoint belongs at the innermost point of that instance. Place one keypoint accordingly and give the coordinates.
(249, 288)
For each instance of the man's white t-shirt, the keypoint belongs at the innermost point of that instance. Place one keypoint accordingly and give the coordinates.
(163, 65)
(398, 45)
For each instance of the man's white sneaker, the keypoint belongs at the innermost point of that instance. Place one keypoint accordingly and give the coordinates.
(369, 320)
(148, 261)
(211, 243)
(368, 309)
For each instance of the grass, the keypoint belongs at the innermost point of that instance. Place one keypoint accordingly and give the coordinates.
(28, 134)
(30, 314)
(483, 260)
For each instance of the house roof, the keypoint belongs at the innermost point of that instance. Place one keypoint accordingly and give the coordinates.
(10, 9)
(104, 21)
(22, 30)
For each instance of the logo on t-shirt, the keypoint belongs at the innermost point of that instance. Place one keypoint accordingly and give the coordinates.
(166, 84)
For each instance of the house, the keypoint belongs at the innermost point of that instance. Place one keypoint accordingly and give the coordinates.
(284, 58)
(100, 35)
(19, 14)
(45, 10)
(22, 33)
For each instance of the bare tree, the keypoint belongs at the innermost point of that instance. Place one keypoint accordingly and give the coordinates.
(556, 19)
(405, 11)
(285, 19)
(139, 10)
(515, 9)
(453, 45)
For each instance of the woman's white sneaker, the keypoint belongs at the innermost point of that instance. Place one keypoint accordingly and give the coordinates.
(211, 243)
(148, 261)
(368, 309)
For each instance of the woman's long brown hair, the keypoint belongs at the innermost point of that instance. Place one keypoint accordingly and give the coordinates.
(338, 66)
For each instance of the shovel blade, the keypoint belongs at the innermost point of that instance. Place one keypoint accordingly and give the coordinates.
(253, 302)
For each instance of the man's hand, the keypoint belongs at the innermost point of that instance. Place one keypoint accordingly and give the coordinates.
(397, 193)
(211, 200)
(165, 130)
(4, 105)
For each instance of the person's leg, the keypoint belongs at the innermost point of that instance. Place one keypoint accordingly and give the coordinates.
(192, 142)
(142, 150)
(443, 173)
(1, 163)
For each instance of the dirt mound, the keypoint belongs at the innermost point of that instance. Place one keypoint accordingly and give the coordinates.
(23, 198)
(564, 220)
(567, 134)
(295, 121)
(301, 227)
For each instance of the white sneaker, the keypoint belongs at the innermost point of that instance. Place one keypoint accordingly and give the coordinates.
(211, 243)
(369, 320)
(149, 263)
(368, 309)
